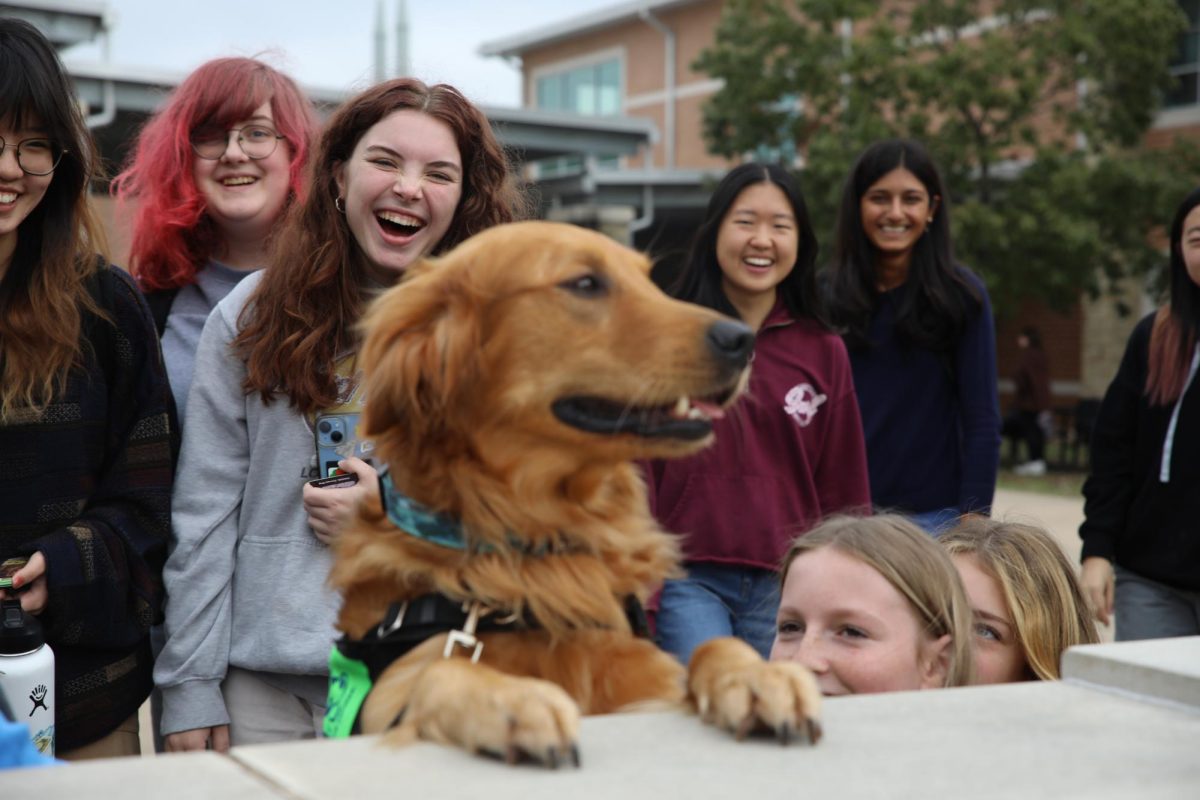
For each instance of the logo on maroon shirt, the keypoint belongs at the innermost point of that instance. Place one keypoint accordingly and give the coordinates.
(801, 403)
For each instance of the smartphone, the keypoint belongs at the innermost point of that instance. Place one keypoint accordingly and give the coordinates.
(9, 568)
(338, 437)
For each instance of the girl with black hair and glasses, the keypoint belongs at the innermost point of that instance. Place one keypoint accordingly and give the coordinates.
(922, 343)
(85, 424)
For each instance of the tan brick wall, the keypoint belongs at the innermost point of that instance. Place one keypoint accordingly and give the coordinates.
(1104, 335)
(1162, 137)
(116, 223)
(690, 152)
(1061, 340)
(642, 49)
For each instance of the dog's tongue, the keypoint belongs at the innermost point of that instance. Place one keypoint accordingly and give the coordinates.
(710, 410)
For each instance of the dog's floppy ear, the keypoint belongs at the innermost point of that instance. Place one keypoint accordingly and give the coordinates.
(420, 351)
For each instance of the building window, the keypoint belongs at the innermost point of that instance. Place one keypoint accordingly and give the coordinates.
(594, 91)
(1185, 63)
(784, 153)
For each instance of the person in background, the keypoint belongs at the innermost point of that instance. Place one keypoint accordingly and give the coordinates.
(212, 174)
(919, 329)
(86, 426)
(1141, 544)
(791, 452)
(1027, 603)
(401, 171)
(1031, 403)
(872, 604)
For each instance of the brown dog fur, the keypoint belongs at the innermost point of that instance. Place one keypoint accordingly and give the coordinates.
(463, 362)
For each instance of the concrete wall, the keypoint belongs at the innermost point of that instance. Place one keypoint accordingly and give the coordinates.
(1123, 724)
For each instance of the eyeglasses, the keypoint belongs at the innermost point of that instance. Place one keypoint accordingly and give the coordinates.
(256, 141)
(34, 156)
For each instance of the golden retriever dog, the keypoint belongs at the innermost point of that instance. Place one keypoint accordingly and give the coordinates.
(510, 384)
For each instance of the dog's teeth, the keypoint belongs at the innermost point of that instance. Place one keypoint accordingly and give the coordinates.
(682, 405)
(695, 413)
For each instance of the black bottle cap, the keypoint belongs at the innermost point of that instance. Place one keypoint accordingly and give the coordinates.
(19, 631)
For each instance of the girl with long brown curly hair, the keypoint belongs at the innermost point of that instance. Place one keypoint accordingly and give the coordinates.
(85, 425)
(402, 171)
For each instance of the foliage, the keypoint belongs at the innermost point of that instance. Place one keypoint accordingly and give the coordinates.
(1035, 109)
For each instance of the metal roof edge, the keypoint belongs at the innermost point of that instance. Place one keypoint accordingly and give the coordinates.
(578, 25)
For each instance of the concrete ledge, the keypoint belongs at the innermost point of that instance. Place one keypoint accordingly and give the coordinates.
(192, 776)
(1029, 740)
(1163, 670)
(1021, 740)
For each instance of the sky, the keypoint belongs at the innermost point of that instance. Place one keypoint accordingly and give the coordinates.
(330, 43)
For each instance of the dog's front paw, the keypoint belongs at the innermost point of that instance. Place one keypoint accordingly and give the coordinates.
(486, 711)
(734, 689)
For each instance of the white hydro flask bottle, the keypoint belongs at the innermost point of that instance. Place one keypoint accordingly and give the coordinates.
(27, 673)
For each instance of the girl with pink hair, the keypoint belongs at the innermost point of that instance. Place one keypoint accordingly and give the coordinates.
(212, 174)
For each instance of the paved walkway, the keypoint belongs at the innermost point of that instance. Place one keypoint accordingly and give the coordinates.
(1059, 515)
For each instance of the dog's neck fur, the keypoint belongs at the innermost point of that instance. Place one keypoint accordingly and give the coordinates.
(608, 548)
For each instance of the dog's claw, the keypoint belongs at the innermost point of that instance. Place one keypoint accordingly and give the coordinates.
(745, 727)
(784, 734)
(574, 752)
(552, 758)
(813, 729)
(511, 755)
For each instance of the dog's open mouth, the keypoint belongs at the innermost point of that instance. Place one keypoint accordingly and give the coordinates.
(687, 418)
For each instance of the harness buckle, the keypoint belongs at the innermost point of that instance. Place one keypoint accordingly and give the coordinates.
(466, 637)
(384, 628)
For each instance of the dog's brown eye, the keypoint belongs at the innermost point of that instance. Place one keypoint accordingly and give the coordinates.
(586, 286)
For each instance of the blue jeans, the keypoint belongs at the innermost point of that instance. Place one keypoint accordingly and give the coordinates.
(717, 600)
(1147, 609)
(935, 523)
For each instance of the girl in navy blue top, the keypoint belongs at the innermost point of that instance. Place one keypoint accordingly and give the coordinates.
(921, 340)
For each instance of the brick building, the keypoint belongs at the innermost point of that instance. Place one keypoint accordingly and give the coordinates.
(635, 59)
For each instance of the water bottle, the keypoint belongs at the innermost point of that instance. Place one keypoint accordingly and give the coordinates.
(27, 673)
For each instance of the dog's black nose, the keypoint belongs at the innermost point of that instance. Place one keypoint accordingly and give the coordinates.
(731, 341)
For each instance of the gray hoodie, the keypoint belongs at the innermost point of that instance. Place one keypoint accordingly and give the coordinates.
(245, 578)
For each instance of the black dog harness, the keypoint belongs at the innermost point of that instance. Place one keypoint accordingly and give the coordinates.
(356, 664)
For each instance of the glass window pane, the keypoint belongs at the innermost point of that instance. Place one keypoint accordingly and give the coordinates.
(1192, 9)
(608, 78)
(579, 95)
(590, 90)
(1187, 49)
(1184, 93)
(549, 93)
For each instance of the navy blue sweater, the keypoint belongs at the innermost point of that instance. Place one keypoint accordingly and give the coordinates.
(88, 483)
(931, 421)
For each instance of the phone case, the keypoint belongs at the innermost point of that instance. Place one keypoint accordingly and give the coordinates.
(338, 437)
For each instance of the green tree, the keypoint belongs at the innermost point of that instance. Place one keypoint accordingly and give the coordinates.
(1035, 110)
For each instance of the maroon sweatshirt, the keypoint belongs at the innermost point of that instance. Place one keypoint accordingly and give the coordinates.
(789, 453)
